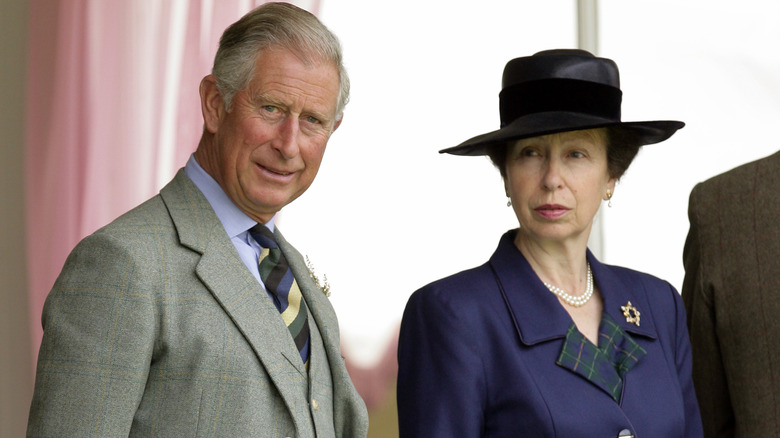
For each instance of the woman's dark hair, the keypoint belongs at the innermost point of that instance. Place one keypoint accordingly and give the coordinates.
(619, 155)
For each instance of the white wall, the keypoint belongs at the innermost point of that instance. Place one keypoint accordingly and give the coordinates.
(711, 63)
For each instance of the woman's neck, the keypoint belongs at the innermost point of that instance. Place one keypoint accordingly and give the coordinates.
(560, 263)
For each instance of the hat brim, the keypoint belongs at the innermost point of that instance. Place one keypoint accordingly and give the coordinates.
(544, 123)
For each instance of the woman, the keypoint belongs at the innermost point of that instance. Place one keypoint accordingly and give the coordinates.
(544, 340)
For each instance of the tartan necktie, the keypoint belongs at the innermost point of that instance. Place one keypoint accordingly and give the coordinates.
(282, 288)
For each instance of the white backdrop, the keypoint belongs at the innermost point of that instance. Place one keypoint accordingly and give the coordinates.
(712, 64)
(388, 214)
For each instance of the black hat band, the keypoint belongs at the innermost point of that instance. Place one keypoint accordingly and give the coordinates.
(559, 95)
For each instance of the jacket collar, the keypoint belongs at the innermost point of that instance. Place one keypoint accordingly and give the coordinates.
(231, 284)
(538, 315)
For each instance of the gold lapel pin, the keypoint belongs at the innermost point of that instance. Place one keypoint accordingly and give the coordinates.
(631, 314)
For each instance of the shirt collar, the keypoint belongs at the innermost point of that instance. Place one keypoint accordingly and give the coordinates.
(235, 221)
(538, 315)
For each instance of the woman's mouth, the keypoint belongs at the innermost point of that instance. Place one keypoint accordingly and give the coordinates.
(551, 211)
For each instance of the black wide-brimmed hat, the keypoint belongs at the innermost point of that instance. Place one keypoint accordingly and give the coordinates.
(562, 90)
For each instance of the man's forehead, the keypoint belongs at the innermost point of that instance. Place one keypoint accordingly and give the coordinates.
(285, 79)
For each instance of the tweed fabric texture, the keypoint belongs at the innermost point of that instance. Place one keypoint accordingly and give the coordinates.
(156, 328)
(731, 294)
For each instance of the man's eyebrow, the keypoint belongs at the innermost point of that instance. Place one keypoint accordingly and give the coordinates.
(265, 99)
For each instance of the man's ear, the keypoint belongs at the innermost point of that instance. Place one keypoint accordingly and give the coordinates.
(211, 103)
(337, 123)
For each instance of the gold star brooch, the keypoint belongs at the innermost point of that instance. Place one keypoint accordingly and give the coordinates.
(631, 314)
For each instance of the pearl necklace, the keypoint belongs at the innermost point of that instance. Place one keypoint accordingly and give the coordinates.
(572, 300)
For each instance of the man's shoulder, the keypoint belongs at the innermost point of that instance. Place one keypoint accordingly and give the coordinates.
(742, 174)
(134, 230)
(152, 213)
(740, 183)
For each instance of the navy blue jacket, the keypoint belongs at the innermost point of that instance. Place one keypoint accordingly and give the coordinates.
(477, 358)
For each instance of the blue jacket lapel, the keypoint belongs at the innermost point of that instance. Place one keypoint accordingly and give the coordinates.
(617, 290)
(537, 314)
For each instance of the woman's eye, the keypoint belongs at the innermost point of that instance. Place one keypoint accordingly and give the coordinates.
(577, 154)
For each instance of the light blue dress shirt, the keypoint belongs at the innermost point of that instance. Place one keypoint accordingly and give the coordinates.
(235, 221)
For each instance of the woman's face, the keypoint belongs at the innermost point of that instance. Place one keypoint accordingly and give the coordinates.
(556, 183)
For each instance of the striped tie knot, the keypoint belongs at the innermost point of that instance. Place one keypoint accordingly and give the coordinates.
(280, 283)
(264, 236)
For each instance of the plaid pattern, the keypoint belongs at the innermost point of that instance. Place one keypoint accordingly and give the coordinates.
(605, 365)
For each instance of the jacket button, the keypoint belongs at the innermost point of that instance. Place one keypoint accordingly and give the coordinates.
(314, 404)
(625, 433)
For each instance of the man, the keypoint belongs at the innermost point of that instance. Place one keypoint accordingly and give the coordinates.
(732, 296)
(167, 321)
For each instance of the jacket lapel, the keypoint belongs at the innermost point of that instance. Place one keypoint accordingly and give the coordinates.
(536, 313)
(349, 410)
(617, 291)
(604, 365)
(247, 304)
(315, 298)
(539, 317)
(233, 287)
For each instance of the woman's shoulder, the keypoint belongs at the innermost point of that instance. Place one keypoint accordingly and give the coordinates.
(639, 282)
(657, 292)
(462, 288)
(464, 279)
(633, 275)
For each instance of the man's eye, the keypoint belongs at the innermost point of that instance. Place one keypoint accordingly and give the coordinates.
(271, 108)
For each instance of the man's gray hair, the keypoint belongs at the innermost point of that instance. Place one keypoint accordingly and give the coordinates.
(275, 25)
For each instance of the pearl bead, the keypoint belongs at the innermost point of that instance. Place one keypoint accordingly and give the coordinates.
(570, 299)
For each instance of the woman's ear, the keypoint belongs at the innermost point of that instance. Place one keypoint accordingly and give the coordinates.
(211, 103)
(610, 188)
